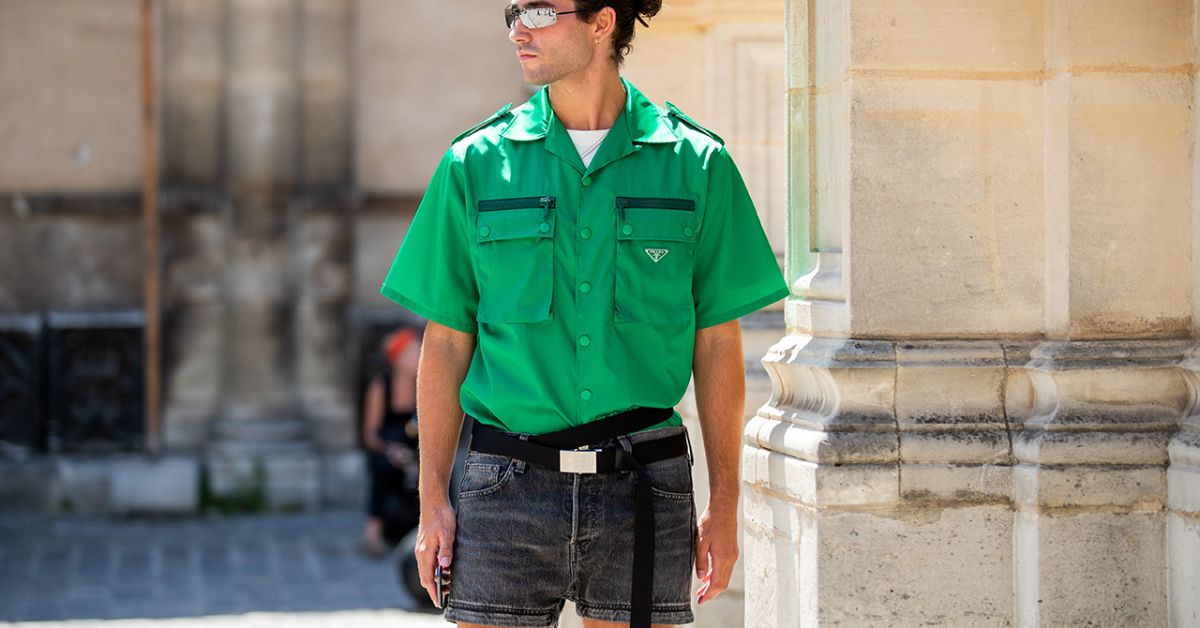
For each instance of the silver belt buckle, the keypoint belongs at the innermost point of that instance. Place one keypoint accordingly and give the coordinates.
(576, 461)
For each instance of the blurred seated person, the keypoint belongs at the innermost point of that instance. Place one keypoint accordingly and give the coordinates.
(389, 433)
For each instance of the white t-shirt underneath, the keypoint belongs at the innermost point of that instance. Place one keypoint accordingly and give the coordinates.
(588, 141)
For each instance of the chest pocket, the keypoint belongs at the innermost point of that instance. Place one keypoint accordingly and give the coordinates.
(514, 240)
(655, 257)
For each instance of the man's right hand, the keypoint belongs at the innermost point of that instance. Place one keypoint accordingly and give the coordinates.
(435, 543)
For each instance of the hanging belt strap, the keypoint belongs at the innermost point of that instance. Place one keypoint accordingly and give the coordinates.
(563, 451)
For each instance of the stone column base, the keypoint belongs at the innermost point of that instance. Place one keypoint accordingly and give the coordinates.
(277, 476)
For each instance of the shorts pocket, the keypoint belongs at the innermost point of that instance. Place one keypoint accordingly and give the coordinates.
(484, 474)
(514, 240)
(655, 257)
(671, 478)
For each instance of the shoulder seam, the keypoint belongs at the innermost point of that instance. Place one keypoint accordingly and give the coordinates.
(683, 117)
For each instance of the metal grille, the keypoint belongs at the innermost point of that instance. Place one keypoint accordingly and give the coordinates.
(20, 384)
(95, 381)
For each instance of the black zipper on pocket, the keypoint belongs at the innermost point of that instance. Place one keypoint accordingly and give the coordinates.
(654, 203)
(525, 202)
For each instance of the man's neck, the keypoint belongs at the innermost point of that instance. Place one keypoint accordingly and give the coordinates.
(588, 102)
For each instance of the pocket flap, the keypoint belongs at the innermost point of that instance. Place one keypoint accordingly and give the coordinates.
(514, 223)
(657, 224)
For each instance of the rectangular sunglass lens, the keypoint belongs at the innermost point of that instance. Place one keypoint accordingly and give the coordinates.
(510, 15)
(539, 17)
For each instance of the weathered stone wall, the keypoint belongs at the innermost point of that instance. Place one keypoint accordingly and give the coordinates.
(71, 111)
(424, 75)
(57, 254)
(976, 414)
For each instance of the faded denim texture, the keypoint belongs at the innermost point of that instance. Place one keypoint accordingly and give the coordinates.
(528, 538)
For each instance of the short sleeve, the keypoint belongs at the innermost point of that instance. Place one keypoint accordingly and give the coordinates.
(736, 271)
(432, 273)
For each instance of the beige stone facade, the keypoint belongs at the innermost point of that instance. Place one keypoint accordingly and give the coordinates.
(983, 411)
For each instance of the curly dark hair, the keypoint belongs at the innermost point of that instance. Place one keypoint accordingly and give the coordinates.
(627, 11)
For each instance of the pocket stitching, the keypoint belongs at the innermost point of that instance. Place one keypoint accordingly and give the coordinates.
(506, 472)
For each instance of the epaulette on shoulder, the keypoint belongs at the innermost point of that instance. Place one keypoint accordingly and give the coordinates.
(692, 123)
(492, 118)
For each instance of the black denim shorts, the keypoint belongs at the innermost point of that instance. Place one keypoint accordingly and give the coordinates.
(529, 538)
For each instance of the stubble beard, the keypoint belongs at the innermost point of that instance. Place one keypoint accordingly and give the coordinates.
(550, 70)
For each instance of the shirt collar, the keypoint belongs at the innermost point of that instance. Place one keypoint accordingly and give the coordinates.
(643, 120)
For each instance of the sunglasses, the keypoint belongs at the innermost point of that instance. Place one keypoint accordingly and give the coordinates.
(533, 17)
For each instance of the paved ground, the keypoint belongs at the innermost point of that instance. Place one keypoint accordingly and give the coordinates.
(264, 570)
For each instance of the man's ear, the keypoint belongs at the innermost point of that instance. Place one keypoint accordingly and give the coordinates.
(605, 22)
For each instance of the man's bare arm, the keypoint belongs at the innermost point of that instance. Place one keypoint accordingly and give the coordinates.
(720, 384)
(445, 357)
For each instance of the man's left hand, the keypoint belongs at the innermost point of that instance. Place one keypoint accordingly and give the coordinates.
(716, 551)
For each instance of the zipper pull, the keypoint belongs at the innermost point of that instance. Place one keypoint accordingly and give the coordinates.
(547, 203)
(621, 202)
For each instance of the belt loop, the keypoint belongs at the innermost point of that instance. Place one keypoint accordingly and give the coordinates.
(626, 447)
(520, 462)
(688, 438)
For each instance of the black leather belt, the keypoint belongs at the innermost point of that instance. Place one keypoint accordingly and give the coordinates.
(569, 451)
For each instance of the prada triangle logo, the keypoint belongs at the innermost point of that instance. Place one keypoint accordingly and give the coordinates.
(657, 254)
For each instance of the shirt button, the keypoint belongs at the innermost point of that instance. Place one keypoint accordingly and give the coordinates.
(544, 227)
(585, 233)
(688, 231)
(585, 287)
(585, 394)
(627, 229)
(584, 341)
(587, 181)
(484, 231)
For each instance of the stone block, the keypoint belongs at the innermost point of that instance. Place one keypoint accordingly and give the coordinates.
(377, 237)
(959, 483)
(193, 373)
(397, 144)
(193, 90)
(287, 475)
(907, 567)
(27, 486)
(946, 167)
(344, 479)
(821, 485)
(1130, 183)
(79, 254)
(1116, 35)
(1183, 481)
(1114, 487)
(165, 485)
(772, 567)
(1101, 568)
(962, 37)
(72, 99)
(80, 485)
(1183, 541)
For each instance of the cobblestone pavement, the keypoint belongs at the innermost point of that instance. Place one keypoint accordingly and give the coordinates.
(261, 570)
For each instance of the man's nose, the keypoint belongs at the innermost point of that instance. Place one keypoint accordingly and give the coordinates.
(517, 33)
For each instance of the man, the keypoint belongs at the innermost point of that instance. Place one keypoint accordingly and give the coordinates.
(579, 258)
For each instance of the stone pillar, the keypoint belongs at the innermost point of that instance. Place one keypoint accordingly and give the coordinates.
(970, 417)
(284, 136)
(1183, 507)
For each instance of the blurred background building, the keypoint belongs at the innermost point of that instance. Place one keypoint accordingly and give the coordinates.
(978, 407)
(295, 138)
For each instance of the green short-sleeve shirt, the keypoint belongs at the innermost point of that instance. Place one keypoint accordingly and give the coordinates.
(584, 286)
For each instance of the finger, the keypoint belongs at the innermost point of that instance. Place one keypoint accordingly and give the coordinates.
(425, 562)
(701, 559)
